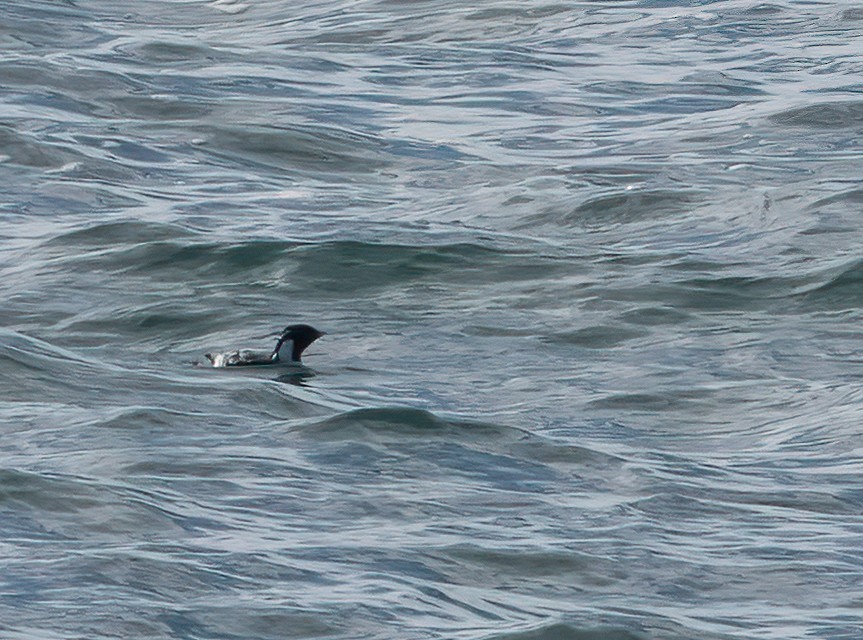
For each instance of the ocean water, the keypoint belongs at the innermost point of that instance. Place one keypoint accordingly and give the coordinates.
(592, 279)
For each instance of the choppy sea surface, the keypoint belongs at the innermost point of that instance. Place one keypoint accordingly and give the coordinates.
(592, 279)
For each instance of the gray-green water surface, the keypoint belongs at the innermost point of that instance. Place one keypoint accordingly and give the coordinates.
(592, 279)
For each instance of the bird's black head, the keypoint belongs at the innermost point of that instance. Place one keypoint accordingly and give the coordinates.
(301, 335)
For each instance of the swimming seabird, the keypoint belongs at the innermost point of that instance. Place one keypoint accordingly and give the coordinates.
(295, 337)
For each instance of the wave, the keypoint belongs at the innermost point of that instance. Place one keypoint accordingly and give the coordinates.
(596, 337)
(563, 631)
(104, 234)
(402, 422)
(404, 426)
(304, 149)
(823, 115)
(172, 251)
(27, 151)
(841, 288)
(619, 208)
(57, 505)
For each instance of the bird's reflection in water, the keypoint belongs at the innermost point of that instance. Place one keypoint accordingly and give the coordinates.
(297, 378)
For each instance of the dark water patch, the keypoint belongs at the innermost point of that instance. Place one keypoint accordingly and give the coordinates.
(58, 370)
(486, 331)
(133, 582)
(765, 8)
(687, 511)
(622, 208)
(150, 574)
(355, 266)
(41, 371)
(39, 27)
(564, 454)
(596, 337)
(852, 196)
(461, 445)
(786, 502)
(106, 234)
(656, 316)
(44, 493)
(222, 258)
(854, 14)
(157, 107)
(478, 564)
(171, 52)
(159, 326)
(160, 321)
(72, 507)
(842, 289)
(153, 419)
(397, 422)
(85, 86)
(643, 402)
(137, 153)
(50, 102)
(237, 400)
(518, 14)
(752, 24)
(826, 115)
(218, 472)
(749, 293)
(561, 631)
(272, 622)
(694, 84)
(170, 259)
(736, 286)
(299, 149)
(28, 150)
(698, 507)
